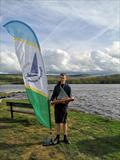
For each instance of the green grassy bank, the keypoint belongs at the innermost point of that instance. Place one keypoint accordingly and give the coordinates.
(92, 138)
(17, 79)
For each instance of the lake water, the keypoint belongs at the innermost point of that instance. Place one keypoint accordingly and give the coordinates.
(103, 99)
(11, 88)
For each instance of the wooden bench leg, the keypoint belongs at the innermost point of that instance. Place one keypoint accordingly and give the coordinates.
(11, 110)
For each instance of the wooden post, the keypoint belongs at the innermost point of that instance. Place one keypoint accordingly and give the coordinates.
(11, 110)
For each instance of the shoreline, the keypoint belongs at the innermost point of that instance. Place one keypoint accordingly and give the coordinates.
(21, 95)
(10, 95)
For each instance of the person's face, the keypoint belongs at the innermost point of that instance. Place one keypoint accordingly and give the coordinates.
(62, 79)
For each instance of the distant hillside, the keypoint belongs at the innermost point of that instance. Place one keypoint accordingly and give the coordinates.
(11, 79)
(73, 79)
(111, 79)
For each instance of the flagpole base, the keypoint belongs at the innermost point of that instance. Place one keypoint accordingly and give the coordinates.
(48, 142)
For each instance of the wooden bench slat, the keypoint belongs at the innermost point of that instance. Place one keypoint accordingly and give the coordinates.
(14, 108)
(22, 111)
(27, 105)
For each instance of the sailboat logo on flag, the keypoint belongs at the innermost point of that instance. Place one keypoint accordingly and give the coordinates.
(35, 72)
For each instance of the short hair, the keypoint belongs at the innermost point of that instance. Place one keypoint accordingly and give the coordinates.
(62, 74)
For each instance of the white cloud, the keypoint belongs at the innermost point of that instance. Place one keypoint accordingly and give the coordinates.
(107, 60)
(115, 50)
(8, 62)
(100, 60)
(56, 60)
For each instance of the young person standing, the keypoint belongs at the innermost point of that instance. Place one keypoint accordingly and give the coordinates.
(61, 109)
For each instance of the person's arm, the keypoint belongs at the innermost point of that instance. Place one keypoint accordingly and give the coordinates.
(69, 92)
(53, 94)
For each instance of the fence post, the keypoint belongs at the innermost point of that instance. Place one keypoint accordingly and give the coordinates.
(11, 110)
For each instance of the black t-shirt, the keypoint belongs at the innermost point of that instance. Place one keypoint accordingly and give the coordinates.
(56, 92)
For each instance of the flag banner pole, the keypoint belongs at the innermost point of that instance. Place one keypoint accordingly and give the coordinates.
(33, 70)
(49, 141)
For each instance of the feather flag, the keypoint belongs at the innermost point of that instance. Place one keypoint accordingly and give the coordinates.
(33, 70)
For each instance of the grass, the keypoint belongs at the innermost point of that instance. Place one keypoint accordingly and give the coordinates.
(92, 138)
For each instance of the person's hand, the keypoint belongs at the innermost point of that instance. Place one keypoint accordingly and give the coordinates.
(51, 102)
(63, 102)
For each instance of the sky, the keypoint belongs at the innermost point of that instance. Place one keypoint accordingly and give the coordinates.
(81, 36)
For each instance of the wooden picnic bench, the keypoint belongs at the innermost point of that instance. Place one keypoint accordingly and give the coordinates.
(18, 107)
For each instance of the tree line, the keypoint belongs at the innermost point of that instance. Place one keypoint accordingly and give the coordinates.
(112, 79)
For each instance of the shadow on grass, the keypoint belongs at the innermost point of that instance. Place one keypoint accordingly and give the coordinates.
(6, 127)
(6, 146)
(100, 146)
(24, 122)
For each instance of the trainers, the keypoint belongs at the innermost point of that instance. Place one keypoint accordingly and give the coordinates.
(57, 140)
(66, 141)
